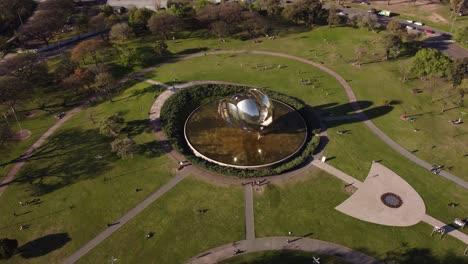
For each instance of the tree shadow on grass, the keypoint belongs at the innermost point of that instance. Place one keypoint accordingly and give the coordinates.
(192, 51)
(151, 149)
(70, 156)
(43, 245)
(136, 127)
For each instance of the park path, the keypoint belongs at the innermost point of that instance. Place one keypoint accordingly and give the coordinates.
(351, 99)
(448, 228)
(281, 243)
(249, 212)
(14, 170)
(127, 217)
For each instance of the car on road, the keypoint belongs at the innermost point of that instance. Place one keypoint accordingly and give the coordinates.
(365, 3)
(372, 11)
(429, 32)
(419, 23)
(342, 14)
(410, 21)
(410, 27)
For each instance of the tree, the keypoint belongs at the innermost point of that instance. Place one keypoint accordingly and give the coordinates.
(81, 78)
(458, 71)
(430, 61)
(461, 35)
(111, 125)
(105, 82)
(200, 4)
(45, 26)
(220, 29)
(88, 50)
(138, 18)
(124, 148)
(6, 136)
(106, 10)
(12, 91)
(405, 69)
(83, 23)
(359, 52)
(127, 56)
(27, 67)
(7, 248)
(333, 18)
(120, 32)
(306, 11)
(456, 6)
(160, 48)
(369, 21)
(100, 23)
(273, 7)
(13, 13)
(392, 44)
(161, 24)
(254, 24)
(395, 27)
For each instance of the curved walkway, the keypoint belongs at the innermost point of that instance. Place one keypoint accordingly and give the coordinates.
(351, 99)
(281, 243)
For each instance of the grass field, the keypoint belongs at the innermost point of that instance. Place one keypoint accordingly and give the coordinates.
(79, 193)
(180, 230)
(307, 207)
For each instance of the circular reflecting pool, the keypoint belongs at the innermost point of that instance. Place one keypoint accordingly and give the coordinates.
(212, 138)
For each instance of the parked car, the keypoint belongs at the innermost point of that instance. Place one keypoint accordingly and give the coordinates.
(428, 31)
(342, 14)
(365, 3)
(419, 23)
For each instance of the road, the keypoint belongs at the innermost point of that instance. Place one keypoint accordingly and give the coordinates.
(440, 40)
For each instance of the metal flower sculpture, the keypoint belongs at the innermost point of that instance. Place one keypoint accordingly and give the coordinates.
(251, 111)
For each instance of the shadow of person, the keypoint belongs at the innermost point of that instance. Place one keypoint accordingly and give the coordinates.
(43, 245)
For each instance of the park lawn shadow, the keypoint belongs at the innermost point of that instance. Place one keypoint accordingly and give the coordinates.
(151, 149)
(192, 51)
(136, 127)
(43, 245)
(70, 156)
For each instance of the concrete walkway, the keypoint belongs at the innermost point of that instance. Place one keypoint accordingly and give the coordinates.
(249, 213)
(365, 204)
(127, 217)
(448, 229)
(281, 243)
(337, 173)
(13, 171)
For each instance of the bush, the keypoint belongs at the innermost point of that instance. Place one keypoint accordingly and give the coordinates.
(179, 106)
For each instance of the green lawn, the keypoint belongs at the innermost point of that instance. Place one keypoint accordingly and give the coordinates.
(280, 257)
(374, 83)
(80, 194)
(181, 232)
(307, 207)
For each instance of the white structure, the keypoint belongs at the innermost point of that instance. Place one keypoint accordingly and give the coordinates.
(150, 4)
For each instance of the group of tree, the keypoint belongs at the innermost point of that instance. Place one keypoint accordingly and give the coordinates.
(20, 76)
(48, 20)
(13, 13)
(231, 18)
(111, 126)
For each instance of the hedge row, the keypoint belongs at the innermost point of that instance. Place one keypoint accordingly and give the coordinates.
(178, 107)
